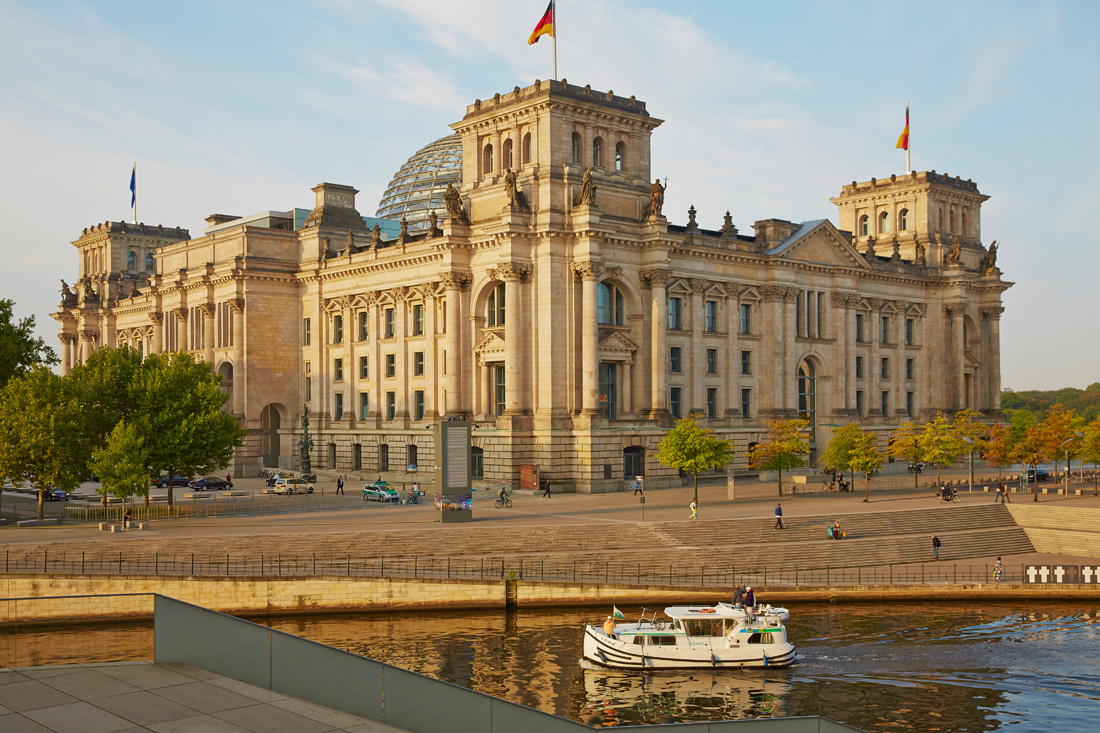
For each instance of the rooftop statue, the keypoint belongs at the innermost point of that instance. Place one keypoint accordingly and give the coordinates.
(656, 198)
(515, 196)
(453, 202)
(587, 195)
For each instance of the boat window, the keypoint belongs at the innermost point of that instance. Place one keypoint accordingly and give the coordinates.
(662, 640)
(703, 627)
(760, 638)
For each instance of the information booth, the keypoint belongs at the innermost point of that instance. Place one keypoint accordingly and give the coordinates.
(454, 500)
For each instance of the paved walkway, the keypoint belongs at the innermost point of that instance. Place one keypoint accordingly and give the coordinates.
(167, 698)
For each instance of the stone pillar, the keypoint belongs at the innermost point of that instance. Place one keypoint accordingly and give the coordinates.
(453, 282)
(431, 379)
(958, 355)
(401, 310)
(66, 355)
(181, 330)
(207, 332)
(589, 274)
(993, 355)
(157, 345)
(485, 393)
(512, 274)
(627, 390)
(658, 281)
(697, 357)
(374, 361)
(237, 307)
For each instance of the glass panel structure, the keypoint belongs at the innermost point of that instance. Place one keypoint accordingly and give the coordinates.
(417, 188)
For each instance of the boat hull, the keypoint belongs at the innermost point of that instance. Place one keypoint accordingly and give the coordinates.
(617, 654)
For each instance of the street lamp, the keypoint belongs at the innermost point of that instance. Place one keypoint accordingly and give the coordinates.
(1065, 450)
(970, 454)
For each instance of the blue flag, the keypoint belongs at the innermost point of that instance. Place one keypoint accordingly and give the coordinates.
(133, 187)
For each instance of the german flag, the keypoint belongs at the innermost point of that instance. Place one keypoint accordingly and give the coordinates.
(545, 26)
(903, 139)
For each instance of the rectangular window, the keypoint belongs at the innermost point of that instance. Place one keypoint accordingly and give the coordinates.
(746, 318)
(859, 367)
(674, 322)
(363, 405)
(712, 361)
(339, 405)
(746, 402)
(418, 319)
(909, 369)
(859, 402)
(309, 389)
(885, 403)
(418, 364)
(338, 370)
(884, 369)
(710, 321)
(389, 323)
(674, 364)
(363, 371)
(746, 362)
(859, 328)
(418, 404)
(364, 318)
(909, 404)
(499, 388)
(712, 402)
(391, 366)
(674, 402)
(908, 331)
(884, 330)
(391, 405)
(306, 332)
(820, 314)
(337, 329)
(383, 457)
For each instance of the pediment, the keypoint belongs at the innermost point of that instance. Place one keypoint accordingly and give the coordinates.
(749, 293)
(491, 344)
(820, 244)
(970, 361)
(679, 287)
(617, 342)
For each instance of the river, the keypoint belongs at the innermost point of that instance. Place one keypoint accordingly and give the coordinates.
(943, 667)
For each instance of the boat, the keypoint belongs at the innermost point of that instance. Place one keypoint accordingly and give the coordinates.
(717, 637)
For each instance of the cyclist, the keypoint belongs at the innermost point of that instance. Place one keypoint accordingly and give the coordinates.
(503, 495)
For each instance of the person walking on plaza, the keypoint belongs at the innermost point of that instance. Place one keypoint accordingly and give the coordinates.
(936, 547)
(778, 516)
(998, 571)
(694, 510)
(340, 485)
(546, 488)
(1004, 494)
(1000, 497)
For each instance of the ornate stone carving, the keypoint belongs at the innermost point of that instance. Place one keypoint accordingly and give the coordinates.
(351, 242)
(587, 196)
(324, 250)
(612, 273)
(920, 255)
(181, 313)
(954, 255)
(692, 226)
(992, 314)
(875, 303)
(455, 280)
(895, 256)
(207, 310)
(237, 305)
(989, 261)
(698, 285)
(845, 299)
(376, 235)
(66, 294)
(656, 199)
(515, 196)
(156, 317)
(404, 233)
(870, 251)
(729, 231)
(656, 278)
(954, 309)
(587, 270)
(453, 202)
(512, 271)
(433, 225)
(772, 292)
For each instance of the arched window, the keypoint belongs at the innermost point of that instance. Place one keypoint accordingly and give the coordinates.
(883, 223)
(864, 226)
(620, 156)
(807, 395)
(597, 152)
(609, 305)
(952, 221)
(487, 158)
(495, 315)
(527, 148)
(633, 462)
(963, 230)
(576, 148)
(131, 260)
(477, 462)
(940, 220)
(506, 154)
(903, 220)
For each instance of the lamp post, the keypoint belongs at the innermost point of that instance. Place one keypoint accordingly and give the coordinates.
(1065, 450)
(970, 454)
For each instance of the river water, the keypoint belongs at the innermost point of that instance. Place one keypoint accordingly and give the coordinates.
(945, 667)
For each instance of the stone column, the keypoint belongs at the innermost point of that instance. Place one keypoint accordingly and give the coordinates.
(627, 407)
(697, 357)
(958, 354)
(732, 363)
(182, 334)
(658, 281)
(374, 361)
(453, 282)
(485, 393)
(237, 307)
(207, 332)
(157, 346)
(512, 273)
(66, 355)
(993, 355)
(401, 309)
(431, 389)
(589, 274)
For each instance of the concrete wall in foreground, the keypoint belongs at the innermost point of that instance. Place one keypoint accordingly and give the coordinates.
(1059, 530)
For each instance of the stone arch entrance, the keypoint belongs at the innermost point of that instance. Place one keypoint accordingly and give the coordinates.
(271, 422)
(225, 371)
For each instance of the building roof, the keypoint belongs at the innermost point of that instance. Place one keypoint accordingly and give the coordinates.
(417, 188)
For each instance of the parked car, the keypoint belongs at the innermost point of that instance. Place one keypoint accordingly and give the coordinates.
(209, 483)
(1040, 475)
(380, 492)
(293, 486)
(57, 495)
(162, 482)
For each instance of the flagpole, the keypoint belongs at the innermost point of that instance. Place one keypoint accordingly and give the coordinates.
(135, 193)
(555, 37)
(909, 142)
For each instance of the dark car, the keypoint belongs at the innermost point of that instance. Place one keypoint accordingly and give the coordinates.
(209, 483)
(1040, 475)
(57, 495)
(162, 482)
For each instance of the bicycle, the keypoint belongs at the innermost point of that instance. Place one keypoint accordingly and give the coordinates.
(501, 503)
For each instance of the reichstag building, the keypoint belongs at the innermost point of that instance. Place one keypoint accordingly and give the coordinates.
(523, 273)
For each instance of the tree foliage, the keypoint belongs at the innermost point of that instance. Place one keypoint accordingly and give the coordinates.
(787, 447)
(20, 350)
(1085, 402)
(122, 464)
(907, 444)
(942, 445)
(1090, 450)
(693, 449)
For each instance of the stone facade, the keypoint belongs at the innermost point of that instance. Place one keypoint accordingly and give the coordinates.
(568, 319)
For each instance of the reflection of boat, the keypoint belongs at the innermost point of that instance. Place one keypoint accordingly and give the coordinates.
(719, 636)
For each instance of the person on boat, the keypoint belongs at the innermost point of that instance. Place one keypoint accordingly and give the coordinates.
(750, 603)
(609, 626)
(738, 596)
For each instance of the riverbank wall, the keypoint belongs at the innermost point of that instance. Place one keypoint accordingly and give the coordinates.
(35, 598)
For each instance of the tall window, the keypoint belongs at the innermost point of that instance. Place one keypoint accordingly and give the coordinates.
(908, 331)
(746, 362)
(885, 403)
(391, 366)
(338, 370)
(131, 260)
(363, 372)
(883, 223)
(633, 461)
(674, 402)
(391, 405)
(746, 318)
(411, 454)
(306, 332)
(149, 264)
(496, 306)
(712, 402)
(859, 402)
(383, 457)
(909, 368)
(506, 153)
(477, 462)
(609, 305)
(712, 361)
(418, 405)
(337, 329)
(527, 148)
(884, 368)
(674, 364)
(710, 319)
(418, 319)
(903, 220)
(807, 396)
(339, 405)
(576, 150)
(309, 389)
(418, 364)
(884, 329)
(597, 152)
(859, 327)
(864, 225)
(909, 404)
(746, 403)
(859, 367)
(487, 158)
(390, 321)
(363, 405)
(620, 156)
(364, 318)
(674, 314)
(499, 388)
(608, 390)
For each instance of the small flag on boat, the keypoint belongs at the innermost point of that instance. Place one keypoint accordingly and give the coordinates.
(618, 613)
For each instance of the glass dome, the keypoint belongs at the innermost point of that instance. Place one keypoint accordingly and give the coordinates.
(417, 189)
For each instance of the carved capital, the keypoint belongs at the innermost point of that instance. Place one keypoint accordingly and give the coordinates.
(844, 299)
(955, 309)
(612, 273)
(237, 305)
(992, 314)
(790, 295)
(512, 271)
(587, 270)
(454, 280)
(181, 313)
(698, 285)
(156, 317)
(207, 310)
(771, 292)
(656, 278)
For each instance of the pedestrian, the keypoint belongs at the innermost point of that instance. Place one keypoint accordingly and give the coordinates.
(694, 510)
(998, 571)
(1004, 494)
(738, 596)
(229, 479)
(936, 547)
(546, 488)
(638, 487)
(778, 516)
(340, 485)
(414, 495)
(750, 603)
(997, 496)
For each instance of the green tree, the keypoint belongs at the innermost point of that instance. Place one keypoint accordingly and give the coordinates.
(971, 434)
(1031, 450)
(185, 430)
(907, 444)
(43, 433)
(865, 456)
(105, 383)
(1061, 428)
(787, 448)
(1090, 451)
(941, 443)
(122, 464)
(19, 349)
(693, 449)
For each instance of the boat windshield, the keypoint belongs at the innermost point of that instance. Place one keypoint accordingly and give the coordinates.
(704, 627)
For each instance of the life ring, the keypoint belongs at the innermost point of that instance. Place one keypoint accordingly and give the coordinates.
(705, 610)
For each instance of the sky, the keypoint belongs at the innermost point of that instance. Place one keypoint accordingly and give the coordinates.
(769, 109)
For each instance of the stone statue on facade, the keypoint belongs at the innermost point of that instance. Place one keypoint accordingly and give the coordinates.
(66, 294)
(920, 256)
(433, 225)
(376, 236)
(587, 196)
(515, 196)
(404, 235)
(954, 256)
(656, 198)
(351, 242)
(989, 261)
(453, 201)
(870, 251)
(324, 251)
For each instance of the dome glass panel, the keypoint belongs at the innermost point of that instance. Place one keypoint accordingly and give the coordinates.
(417, 189)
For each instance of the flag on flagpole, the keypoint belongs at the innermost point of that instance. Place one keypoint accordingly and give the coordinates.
(133, 191)
(545, 26)
(618, 613)
(903, 139)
